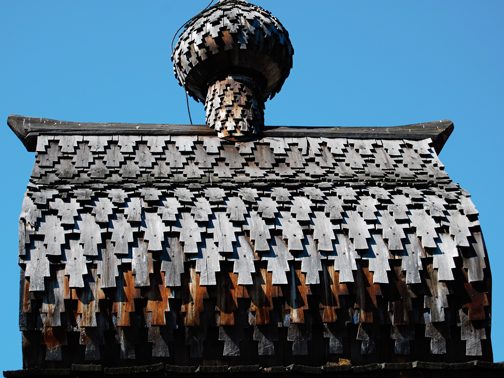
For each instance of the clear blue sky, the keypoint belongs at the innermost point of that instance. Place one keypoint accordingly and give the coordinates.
(356, 63)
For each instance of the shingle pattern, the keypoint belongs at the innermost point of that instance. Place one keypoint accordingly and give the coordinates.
(318, 248)
(230, 34)
(234, 107)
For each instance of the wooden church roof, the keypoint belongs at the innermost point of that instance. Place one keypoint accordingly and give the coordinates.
(146, 244)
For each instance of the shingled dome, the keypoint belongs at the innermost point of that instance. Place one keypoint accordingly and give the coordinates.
(233, 56)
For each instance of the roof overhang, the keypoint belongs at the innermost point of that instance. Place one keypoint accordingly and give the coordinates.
(28, 128)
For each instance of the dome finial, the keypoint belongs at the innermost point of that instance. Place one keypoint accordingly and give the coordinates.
(233, 56)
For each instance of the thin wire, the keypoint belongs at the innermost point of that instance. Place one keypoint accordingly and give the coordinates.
(176, 67)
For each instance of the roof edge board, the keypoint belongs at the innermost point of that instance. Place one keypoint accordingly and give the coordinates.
(28, 128)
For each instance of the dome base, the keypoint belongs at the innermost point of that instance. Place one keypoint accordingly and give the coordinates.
(234, 107)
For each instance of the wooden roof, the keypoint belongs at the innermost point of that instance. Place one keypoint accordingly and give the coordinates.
(143, 244)
(28, 128)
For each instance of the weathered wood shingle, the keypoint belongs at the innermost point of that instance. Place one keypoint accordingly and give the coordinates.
(267, 247)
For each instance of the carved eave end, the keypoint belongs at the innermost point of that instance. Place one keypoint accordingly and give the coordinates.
(21, 128)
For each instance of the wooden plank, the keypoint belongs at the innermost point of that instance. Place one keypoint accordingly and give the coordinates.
(334, 208)
(378, 256)
(190, 232)
(259, 232)
(335, 335)
(230, 336)
(296, 301)
(155, 230)
(323, 231)
(467, 206)
(195, 337)
(156, 144)
(211, 145)
(232, 157)
(150, 194)
(92, 338)
(207, 263)
(459, 226)
(49, 157)
(122, 234)
(365, 294)
(476, 262)
(108, 265)
(437, 300)
(236, 209)
(54, 234)
(223, 232)
(278, 261)
(143, 156)
(203, 159)
(435, 205)
(438, 131)
(89, 297)
(157, 295)
(472, 335)
(367, 207)
(183, 143)
(243, 261)
(363, 146)
(443, 257)
(425, 227)
(227, 295)
(159, 337)
(125, 294)
(301, 206)
(215, 194)
(127, 143)
(295, 158)
(264, 156)
(438, 333)
(53, 304)
(411, 259)
(169, 209)
(83, 156)
(392, 231)
(399, 207)
(76, 263)
(267, 207)
(345, 258)
(311, 263)
(201, 210)
(133, 209)
(266, 335)
(367, 338)
(402, 336)
(291, 231)
(331, 289)
(300, 334)
(140, 263)
(174, 159)
(357, 229)
(192, 297)
(248, 194)
(478, 302)
(102, 208)
(90, 234)
(400, 298)
(172, 262)
(113, 157)
(281, 194)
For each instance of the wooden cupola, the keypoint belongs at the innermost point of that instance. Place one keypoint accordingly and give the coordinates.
(233, 56)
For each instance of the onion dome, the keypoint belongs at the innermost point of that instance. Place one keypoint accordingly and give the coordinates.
(233, 56)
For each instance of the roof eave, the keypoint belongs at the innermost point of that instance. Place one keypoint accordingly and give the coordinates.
(28, 128)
